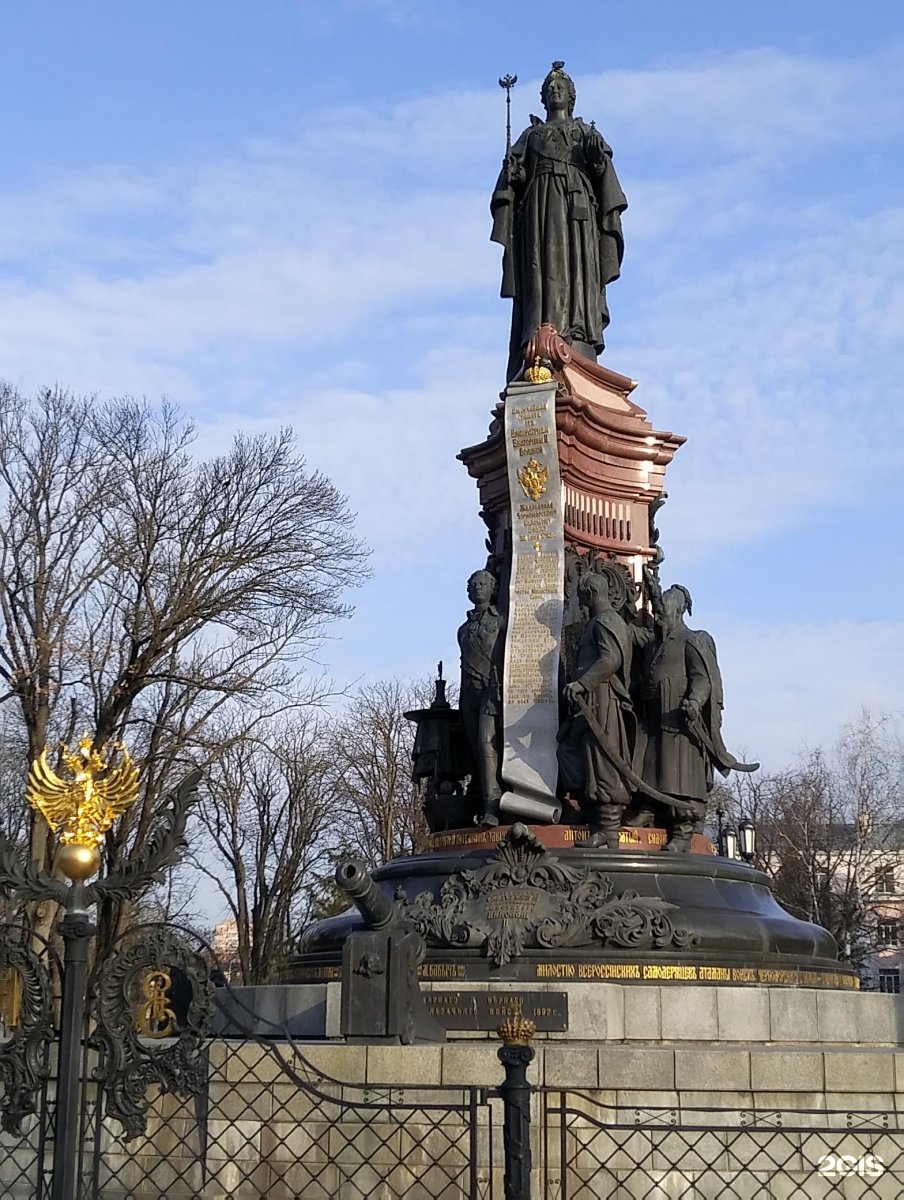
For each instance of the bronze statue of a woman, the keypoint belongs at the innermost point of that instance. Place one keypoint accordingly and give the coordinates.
(557, 212)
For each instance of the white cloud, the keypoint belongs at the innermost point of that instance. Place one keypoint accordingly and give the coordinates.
(760, 103)
(782, 366)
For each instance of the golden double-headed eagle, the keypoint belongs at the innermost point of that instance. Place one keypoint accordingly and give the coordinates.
(83, 807)
(533, 478)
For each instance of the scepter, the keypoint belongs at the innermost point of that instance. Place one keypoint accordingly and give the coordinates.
(508, 82)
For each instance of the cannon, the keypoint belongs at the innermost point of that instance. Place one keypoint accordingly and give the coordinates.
(381, 996)
(353, 877)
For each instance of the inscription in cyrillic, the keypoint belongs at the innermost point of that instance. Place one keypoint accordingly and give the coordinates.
(487, 1010)
(531, 673)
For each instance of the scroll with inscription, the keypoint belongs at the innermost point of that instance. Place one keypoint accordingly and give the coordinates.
(536, 601)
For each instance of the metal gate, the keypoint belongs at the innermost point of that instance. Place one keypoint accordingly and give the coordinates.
(189, 1115)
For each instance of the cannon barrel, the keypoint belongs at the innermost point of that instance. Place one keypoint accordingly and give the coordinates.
(357, 882)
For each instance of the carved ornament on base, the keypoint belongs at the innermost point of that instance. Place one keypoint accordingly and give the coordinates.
(526, 900)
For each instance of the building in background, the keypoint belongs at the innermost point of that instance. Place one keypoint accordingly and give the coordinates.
(225, 944)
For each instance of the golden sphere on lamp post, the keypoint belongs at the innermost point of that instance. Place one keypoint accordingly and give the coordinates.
(78, 862)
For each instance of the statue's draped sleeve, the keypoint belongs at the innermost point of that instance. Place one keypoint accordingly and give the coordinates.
(502, 210)
(611, 202)
(613, 655)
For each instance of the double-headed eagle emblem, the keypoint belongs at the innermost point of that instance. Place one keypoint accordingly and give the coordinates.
(533, 478)
(83, 807)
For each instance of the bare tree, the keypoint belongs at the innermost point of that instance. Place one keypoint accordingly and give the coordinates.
(15, 819)
(142, 589)
(378, 808)
(826, 829)
(267, 807)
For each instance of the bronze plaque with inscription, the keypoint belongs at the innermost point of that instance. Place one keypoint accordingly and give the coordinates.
(466, 1009)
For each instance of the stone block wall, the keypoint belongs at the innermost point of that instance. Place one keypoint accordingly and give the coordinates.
(617, 1012)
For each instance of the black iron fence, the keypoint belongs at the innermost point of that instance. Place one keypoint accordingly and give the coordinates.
(268, 1124)
(593, 1149)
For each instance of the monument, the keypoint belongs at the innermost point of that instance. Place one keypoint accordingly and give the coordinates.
(567, 795)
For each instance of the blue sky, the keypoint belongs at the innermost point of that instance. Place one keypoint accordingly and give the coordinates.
(277, 213)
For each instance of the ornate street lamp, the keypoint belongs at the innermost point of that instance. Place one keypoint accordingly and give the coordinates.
(747, 839)
(727, 839)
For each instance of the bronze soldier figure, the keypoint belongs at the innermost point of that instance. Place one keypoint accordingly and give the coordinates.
(589, 758)
(682, 715)
(482, 642)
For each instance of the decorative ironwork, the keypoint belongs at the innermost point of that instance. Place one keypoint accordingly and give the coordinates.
(325, 1137)
(526, 899)
(153, 1015)
(10, 998)
(23, 880)
(516, 1054)
(82, 808)
(162, 849)
(23, 1055)
(517, 1031)
(128, 1064)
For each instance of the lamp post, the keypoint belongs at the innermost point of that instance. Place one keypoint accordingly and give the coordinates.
(727, 839)
(76, 930)
(747, 839)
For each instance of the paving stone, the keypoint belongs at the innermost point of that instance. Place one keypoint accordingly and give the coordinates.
(256, 1062)
(727, 1108)
(860, 1113)
(477, 1065)
(572, 1067)
(646, 1105)
(877, 1018)
(347, 1064)
(836, 1014)
(333, 1014)
(643, 1013)
(299, 1009)
(407, 1065)
(596, 1011)
(859, 1071)
(792, 1015)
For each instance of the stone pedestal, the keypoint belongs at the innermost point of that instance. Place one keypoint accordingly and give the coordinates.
(522, 905)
